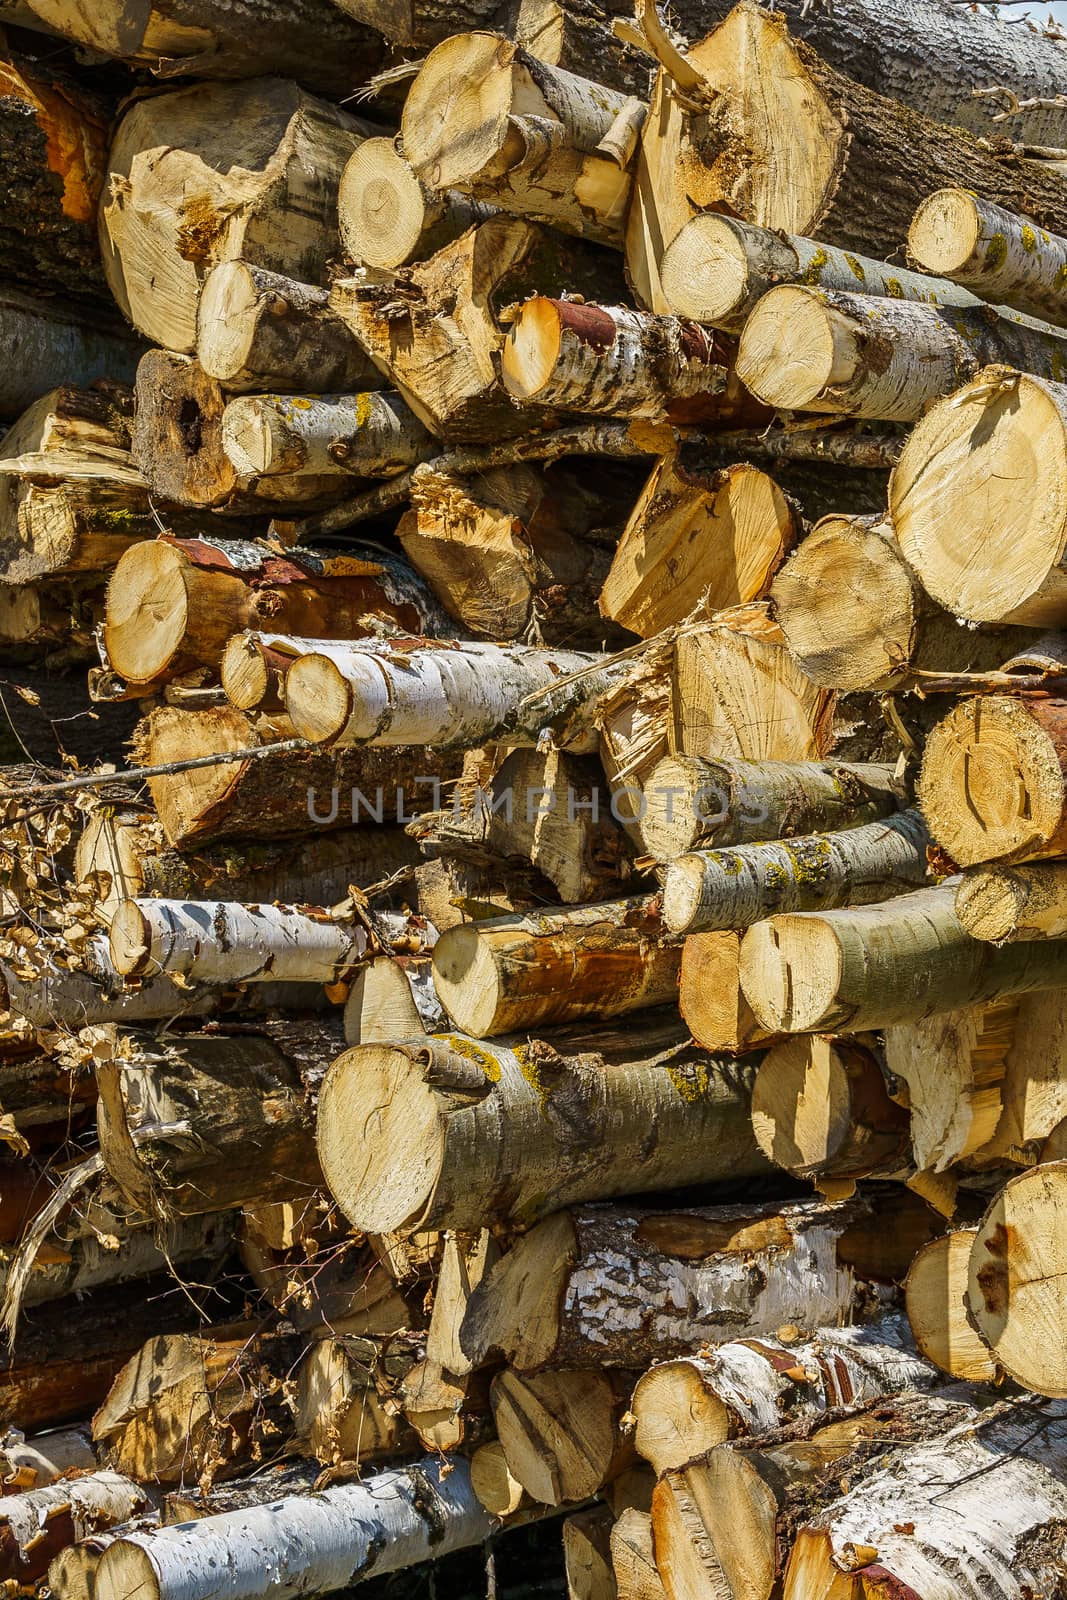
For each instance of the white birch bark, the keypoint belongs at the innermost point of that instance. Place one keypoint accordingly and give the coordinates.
(713, 889)
(35, 1526)
(1006, 904)
(219, 941)
(371, 435)
(305, 1544)
(35, 1463)
(997, 255)
(686, 1407)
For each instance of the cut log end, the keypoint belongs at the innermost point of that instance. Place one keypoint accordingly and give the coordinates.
(465, 84)
(819, 1108)
(935, 1294)
(678, 1417)
(127, 1569)
(991, 903)
(532, 349)
(682, 893)
(670, 824)
(244, 672)
(226, 322)
(147, 612)
(319, 701)
(467, 979)
(789, 352)
(790, 968)
(130, 939)
(704, 272)
(382, 206)
(492, 1481)
(945, 231)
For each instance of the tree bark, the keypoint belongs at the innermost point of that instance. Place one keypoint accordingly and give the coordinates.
(258, 331)
(263, 160)
(713, 889)
(34, 1463)
(419, 692)
(36, 1526)
(510, 974)
(1014, 1285)
(690, 802)
(685, 1408)
(997, 255)
(710, 999)
(993, 785)
(306, 442)
(339, 1413)
(869, 967)
(561, 1432)
(85, 1263)
(852, 355)
(1009, 904)
(506, 1122)
(391, 217)
(697, 530)
(390, 1521)
(44, 345)
(936, 1300)
(977, 508)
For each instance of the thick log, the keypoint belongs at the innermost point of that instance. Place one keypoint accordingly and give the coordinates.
(698, 530)
(283, 794)
(892, 1532)
(510, 974)
(174, 604)
(689, 802)
(392, 1520)
(258, 331)
(935, 1292)
(685, 1408)
(1014, 1285)
(976, 500)
(533, 139)
(339, 1414)
(263, 160)
(308, 40)
(821, 1110)
(506, 1119)
(197, 1404)
(723, 1522)
(869, 967)
(1007, 904)
(602, 1286)
(36, 1526)
(997, 255)
(712, 889)
(609, 361)
(438, 341)
(390, 217)
(418, 692)
(853, 355)
(710, 999)
(311, 444)
(993, 785)
(561, 1431)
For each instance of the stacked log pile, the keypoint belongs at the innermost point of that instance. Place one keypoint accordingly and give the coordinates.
(558, 1012)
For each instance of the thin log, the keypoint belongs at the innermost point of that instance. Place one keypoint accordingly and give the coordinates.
(587, 1555)
(710, 998)
(390, 216)
(307, 441)
(36, 1526)
(997, 255)
(520, 1155)
(1006, 904)
(390, 999)
(935, 1292)
(86, 1263)
(633, 1558)
(38, 1461)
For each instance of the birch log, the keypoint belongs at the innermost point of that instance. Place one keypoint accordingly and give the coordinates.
(853, 355)
(997, 255)
(36, 1526)
(893, 1532)
(318, 438)
(1015, 1293)
(463, 1135)
(531, 138)
(606, 1286)
(684, 1408)
(419, 692)
(1007, 904)
(85, 1263)
(390, 216)
(935, 1293)
(718, 267)
(509, 974)
(311, 1543)
(869, 967)
(734, 888)
(259, 331)
(36, 1462)
(977, 500)
(993, 785)
(856, 617)
(688, 802)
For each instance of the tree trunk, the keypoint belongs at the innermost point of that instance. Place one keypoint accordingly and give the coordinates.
(602, 1286)
(587, 1555)
(722, 1524)
(712, 889)
(311, 444)
(390, 217)
(697, 530)
(35, 1527)
(978, 511)
(507, 1126)
(197, 1405)
(1015, 1293)
(856, 617)
(993, 785)
(853, 355)
(613, 362)
(282, 794)
(511, 974)
(339, 1414)
(633, 1558)
(257, 331)
(936, 1299)
(867, 967)
(438, 340)
(1008, 904)
(560, 1431)
(263, 160)
(718, 267)
(418, 692)
(308, 40)
(533, 139)
(992, 252)
(751, 1387)
(892, 1534)
(821, 1110)
(710, 999)
(392, 1520)
(174, 604)
(690, 802)
(248, 1102)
